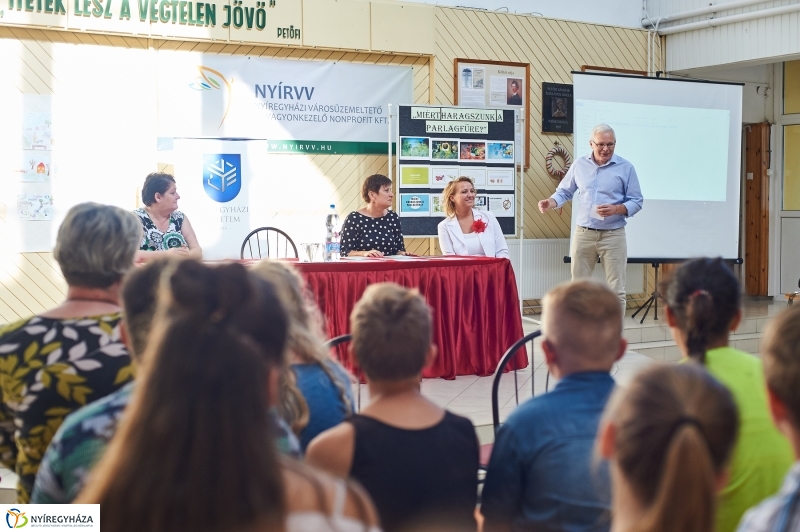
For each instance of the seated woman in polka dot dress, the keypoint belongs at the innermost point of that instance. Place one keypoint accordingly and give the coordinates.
(373, 230)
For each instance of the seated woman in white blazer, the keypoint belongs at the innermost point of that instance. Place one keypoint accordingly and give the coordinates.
(466, 230)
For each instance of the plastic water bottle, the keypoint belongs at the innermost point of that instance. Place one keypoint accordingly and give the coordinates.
(332, 235)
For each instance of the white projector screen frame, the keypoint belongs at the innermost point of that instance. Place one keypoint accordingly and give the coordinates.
(671, 129)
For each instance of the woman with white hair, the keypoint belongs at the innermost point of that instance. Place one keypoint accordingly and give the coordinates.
(54, 363)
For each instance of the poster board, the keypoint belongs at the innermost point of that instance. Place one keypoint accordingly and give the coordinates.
(491, 84)
(436, 145)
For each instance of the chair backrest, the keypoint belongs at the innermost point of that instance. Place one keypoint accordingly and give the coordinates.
(498, 372)
(268, 242)
(336, 342)
(333, 342)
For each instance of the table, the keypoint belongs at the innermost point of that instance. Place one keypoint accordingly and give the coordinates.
(476, 315)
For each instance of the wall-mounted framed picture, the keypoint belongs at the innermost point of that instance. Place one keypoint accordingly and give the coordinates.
(496, 84)
(557, 108)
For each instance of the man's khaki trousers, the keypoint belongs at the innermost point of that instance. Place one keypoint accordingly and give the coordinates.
(610, 247)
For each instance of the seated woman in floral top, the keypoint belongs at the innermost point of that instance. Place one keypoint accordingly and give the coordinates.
(71, 355)
(82, 439)
(373, 230)
(167, 231)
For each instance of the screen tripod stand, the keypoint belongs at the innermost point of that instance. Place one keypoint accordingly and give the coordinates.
(651, 301)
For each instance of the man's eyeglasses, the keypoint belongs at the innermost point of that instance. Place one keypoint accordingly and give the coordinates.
(602, 146)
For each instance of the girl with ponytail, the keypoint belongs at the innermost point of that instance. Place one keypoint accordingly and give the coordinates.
(668, 437)
(194, 449)
(315, 390)
(703, 307)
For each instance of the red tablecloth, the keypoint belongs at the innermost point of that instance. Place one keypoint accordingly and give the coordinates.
(476, 314)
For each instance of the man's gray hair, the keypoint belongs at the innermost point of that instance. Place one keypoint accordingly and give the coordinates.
(599, 129)
(96, 244)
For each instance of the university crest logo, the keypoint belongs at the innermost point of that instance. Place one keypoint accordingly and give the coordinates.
(222, 176)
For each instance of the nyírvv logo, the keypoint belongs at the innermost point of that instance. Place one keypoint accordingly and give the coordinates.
(16, 518)
(222, 176)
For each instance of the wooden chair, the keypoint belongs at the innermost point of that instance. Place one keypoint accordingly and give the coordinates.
(339, 340)
(266, 242)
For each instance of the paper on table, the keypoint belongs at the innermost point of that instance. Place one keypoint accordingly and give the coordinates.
(593, 213)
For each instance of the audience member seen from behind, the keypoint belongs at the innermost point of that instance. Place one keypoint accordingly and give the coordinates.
(83, 437)
(325, 398)
(373, 230)
(68, 356)
(781, 352)
(190, 452)
(668, 437)
(703, 306)
(417, 461)
(167, 231)
(541, 475)
(466, 230)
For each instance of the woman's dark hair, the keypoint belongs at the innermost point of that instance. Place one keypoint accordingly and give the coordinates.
(704, 296)
(155, 183)
(374, 183)
(194, 450)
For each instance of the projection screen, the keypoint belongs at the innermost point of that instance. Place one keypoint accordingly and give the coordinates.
(684, 139)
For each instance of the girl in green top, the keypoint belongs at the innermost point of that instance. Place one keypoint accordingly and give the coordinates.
(703, 306)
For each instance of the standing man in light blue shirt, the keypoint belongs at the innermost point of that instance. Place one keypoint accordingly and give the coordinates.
(606, 191)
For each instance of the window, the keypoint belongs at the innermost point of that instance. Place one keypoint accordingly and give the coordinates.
(791, 168)
(791, 87)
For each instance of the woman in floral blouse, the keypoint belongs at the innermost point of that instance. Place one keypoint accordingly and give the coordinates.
(68, 356)
(167, 231)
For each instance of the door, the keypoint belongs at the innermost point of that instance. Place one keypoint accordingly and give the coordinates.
(756, 209)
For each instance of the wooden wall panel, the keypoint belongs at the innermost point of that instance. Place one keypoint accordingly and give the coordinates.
(554, 48)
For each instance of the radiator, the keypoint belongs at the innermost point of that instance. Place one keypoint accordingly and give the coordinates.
(544, 267)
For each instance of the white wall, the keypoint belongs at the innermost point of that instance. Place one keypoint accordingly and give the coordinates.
(758, 40)
(757, 105)
(627, 13)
